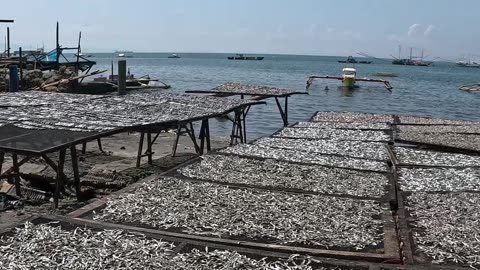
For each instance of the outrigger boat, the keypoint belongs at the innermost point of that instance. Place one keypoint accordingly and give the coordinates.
(349, 79)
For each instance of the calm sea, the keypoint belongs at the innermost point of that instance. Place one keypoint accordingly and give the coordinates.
(425, 91)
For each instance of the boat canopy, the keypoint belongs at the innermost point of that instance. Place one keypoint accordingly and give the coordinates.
(349, 71)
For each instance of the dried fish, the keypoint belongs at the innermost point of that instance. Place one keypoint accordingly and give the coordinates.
(342, 125)
(234, 87)
(439, 179)
(305, 157)
(232, 260)
(48, 246)
(457, 140)
(217, 210)
(412, 156)
(37, 110)
(272, 173)
(466, 129)
(224, 259)
(406, 119)
(446, 227)
(351, 117)
(370, 150)
(334, 134)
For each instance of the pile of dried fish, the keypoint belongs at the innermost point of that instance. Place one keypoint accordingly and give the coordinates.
(223, 259)
(467, 129)
(457, 140)
(211, 209)
(49, 247)
(406, 119)
(37, 110)
(411, 156)
(439, 179)
(351, 117)
(305, 157)
(371, 150)
(334, 134)
(447, 226)
(342, 125)
(255, 90)
(272, 173)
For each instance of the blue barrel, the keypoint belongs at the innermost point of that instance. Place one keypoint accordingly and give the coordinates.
(13, 78)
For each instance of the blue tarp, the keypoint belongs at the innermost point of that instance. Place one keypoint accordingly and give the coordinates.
(50, 57)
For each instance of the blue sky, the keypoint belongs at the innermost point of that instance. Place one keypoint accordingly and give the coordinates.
(443, 28)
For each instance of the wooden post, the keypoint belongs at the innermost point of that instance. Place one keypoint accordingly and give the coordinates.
(21, 69)
(13, 78)
(122, 77)
(77, 66)
(8, 41)
(57, 61)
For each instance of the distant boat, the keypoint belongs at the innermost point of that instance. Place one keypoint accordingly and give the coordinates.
(385, 74)
(352, 60)
(468, 64)
(410, 61)
(123, 55)
(348, 78)
(174, 55)
(83, 55)
(240, 56)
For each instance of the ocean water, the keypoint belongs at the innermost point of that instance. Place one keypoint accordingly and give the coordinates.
(424, 91)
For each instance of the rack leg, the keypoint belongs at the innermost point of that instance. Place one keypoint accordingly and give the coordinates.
(16, 171)
(99, 142)
(149, 148)
(202, 136)
(177, 138)
(140, 148)
(207, 135)
(59, 181)
(191, 133)
(76, 175)
(282, 113)
(2, 156)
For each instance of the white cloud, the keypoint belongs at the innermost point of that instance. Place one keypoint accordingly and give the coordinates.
(413, 30)
(429, 30)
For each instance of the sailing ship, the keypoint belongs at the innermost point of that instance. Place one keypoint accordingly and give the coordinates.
(411, 61)
(467, 63)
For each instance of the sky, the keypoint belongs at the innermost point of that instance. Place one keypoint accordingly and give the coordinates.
(443, 28)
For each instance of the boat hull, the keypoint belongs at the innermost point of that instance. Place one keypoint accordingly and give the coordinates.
(348, 83)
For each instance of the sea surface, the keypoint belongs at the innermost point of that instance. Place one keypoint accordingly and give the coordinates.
(424, 91)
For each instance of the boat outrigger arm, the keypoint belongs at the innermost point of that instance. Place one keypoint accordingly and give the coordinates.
(313, 77)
